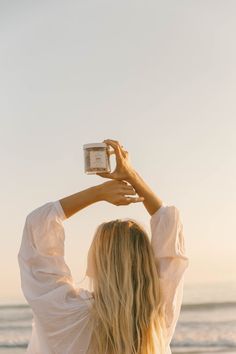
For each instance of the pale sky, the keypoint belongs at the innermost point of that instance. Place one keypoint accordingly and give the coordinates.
(160, 77)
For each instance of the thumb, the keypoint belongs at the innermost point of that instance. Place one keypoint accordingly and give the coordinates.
(104, 174)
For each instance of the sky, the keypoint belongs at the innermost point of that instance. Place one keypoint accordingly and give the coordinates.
(159, 77)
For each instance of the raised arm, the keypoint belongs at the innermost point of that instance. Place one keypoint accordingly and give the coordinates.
(114, 192)
(168, 243)
(125, 171)
(151, 201)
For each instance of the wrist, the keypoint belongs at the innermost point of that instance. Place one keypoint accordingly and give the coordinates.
(138, 184)
(97, 193)
(133, 177)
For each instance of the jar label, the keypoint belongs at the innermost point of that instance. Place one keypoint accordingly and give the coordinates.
(97, 159)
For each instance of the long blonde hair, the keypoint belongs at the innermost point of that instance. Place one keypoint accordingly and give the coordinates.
(127, 311)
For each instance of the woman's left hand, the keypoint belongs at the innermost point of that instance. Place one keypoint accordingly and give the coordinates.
(118, 193)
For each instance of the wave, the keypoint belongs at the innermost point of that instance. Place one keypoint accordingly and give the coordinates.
(13, 306)
(185, 306)
(21, 327)
(202, 343)
(17, 318)
(174, 344)
(209, 305)
(14, 345)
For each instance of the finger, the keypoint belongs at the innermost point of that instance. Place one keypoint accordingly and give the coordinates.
(136, 200)
(124, 152)
(123, 183)
(129, 200)
(120, 185)
(111, 142)
(111, 152)
(105, 175)
(116, 146)
(129, 187)
(128, 192)
(121, 147)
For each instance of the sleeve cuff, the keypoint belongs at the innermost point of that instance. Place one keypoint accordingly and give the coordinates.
(157, 213)
(60, 210)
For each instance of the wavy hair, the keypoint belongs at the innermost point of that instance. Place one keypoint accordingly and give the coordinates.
(128, 311)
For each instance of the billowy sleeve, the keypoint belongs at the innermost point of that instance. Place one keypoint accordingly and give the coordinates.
(46, 280)
(167, 240)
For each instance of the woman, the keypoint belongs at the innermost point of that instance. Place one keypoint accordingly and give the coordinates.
(137, 283)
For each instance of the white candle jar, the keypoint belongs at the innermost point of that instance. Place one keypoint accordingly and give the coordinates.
(96, 158)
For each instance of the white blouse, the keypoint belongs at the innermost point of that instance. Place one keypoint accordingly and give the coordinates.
(61, 311)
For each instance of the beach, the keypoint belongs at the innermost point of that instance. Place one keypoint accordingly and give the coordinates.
(204, 326)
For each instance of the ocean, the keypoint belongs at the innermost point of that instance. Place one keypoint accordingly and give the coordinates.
(204, 326)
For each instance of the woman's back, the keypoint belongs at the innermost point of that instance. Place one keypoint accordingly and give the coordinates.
(62, 312)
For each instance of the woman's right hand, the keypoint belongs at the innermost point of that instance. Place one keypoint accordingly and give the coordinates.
(123, 170)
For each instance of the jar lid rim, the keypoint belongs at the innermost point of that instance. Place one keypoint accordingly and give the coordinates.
(85, 146)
